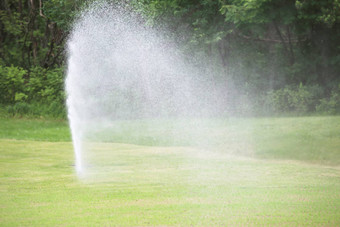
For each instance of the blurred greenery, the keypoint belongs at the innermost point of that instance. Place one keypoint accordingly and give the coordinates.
(282, 56)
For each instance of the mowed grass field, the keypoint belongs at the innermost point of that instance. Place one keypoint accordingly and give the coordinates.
(243, 172)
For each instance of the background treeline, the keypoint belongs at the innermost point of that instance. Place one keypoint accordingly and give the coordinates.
(32, 63)
(281, 56)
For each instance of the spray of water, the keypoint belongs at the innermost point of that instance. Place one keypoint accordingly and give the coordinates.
(124, 77)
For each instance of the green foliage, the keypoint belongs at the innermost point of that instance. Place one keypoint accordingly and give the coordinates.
(325, 12)
(12, 84)
(19, 108)
(33, 33)
(261, 46)
(304, 99)
(265, 44)
(330, 105)
(62, 12)
(46, 86)
(35, 93)
(299, 99)
(35, 109)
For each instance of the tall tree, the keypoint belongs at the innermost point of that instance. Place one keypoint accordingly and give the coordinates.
(32, 32)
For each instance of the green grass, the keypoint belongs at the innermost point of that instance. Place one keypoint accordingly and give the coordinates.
(272, 171)
(34, 129)
(308, 139)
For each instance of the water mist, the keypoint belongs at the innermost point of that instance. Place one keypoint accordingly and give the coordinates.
(122, 71)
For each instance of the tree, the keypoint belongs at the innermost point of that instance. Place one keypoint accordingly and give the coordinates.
(33, 32)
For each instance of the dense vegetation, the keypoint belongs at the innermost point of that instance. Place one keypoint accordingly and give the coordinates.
(32, 37)
(283, 55)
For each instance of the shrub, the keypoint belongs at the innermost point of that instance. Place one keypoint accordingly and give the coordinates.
(299, 99)
(39, 92)
(46, 86)
(12, 84)
(20, 108)
(330, 105)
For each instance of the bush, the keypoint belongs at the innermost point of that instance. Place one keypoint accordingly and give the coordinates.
(298, 99)
(20, 108)
(39, 92)
(330, 105)
(37, 85)
(46, 86)
(12, 84)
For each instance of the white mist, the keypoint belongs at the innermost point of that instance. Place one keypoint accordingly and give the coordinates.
(119, 69)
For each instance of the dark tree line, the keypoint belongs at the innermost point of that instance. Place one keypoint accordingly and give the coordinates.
(33, 32)
(302, 36)
(284, 54)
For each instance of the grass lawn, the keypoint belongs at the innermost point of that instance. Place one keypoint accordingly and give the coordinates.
(270, 171)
